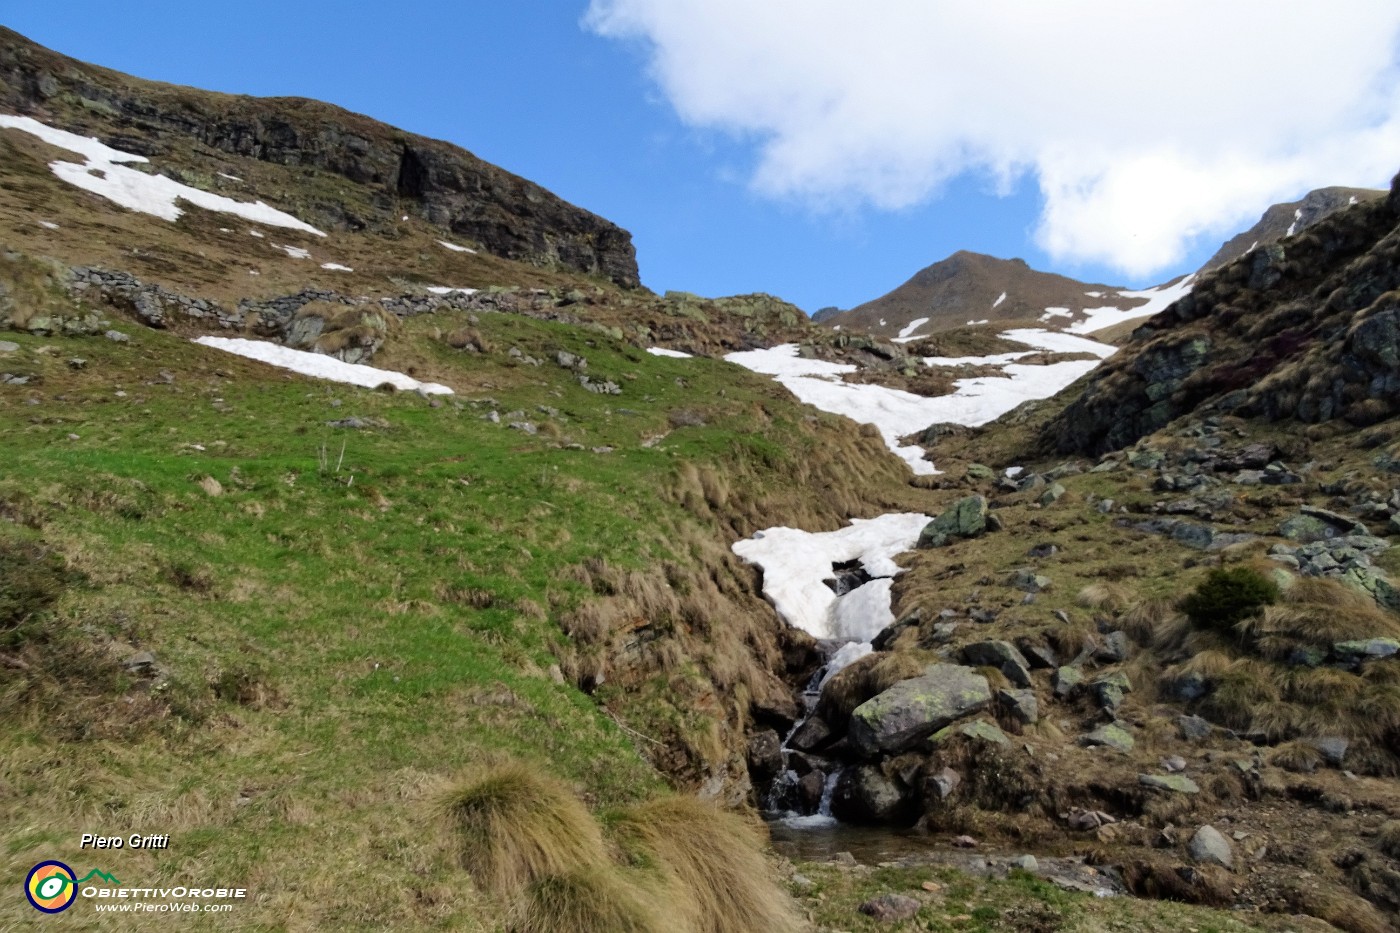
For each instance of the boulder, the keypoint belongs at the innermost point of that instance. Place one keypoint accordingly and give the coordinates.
(1210, 847)
(1333, 748)
(1052, 495)
(1001, 655)
(765, 755)
(1193, 728)
(864, 794)
(1110, 690)
(912, 710)
(966, 518)
(941, 784)
(1028, 581)
(811, 735)
(979, 730)
(1067, 680)
(1365, 649)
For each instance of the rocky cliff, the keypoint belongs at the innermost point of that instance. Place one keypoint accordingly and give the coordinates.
(394, 172)
(1283, 220)
(1308, 327)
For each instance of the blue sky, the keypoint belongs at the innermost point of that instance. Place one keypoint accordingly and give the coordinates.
(627, 125)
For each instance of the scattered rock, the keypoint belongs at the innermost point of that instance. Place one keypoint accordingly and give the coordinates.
(966, 518)
(1174, 765)
(1001, 655)
(864, 794)
(964, 842)
(8, 347)
(117, 336)
(1066, 681)
(1052, 495)
(811, 735)
(143, 662)
(1333, 748)
(1081, 819)
(890, 908)
(1028, 581)
(978, 730)
(1020, 705)
(1178, 783)
(1111, 735)
(1210, 847)
(355, 423)
(942, 783)
(1110, 690)
(1366, 649)
(1026, 863)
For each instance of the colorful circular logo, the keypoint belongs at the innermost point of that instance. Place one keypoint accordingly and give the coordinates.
(51, 887)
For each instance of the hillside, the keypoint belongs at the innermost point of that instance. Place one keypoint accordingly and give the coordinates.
(1283, 220)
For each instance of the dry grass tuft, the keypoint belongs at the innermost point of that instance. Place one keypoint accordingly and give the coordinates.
(1298, 757)
(717, 876)
(1343, 910)
(593, 899)
(1110, 597)
(513, 827)
(1388, 838)
(1156, 623)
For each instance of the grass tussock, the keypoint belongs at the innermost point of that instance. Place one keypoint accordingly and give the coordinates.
(717, 877)
(1155, 623)
(1107, 597)
(514, 827)
(593, 899)
(1388, 838)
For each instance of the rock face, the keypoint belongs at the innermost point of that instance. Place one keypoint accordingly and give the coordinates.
(1308, 327)
(912, 710)
(397, 171)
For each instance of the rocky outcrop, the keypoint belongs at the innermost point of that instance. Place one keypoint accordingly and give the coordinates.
(396, 172)
(1282, 220)
(1308, 327)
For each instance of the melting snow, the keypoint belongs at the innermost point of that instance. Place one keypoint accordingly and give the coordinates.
(1000, 299)
(296, 252)
(336, 267)
(1293, 227)
(104, 174)
(255, 233)
(48, 225)
(444, 290)
(1158, 299)
(795, 563)
(1055, 312)
(1094, 294)
(663, 351)
(997, 359)
(907, 334)
(229, 177)
(975, 323)
(322, 367)
(453, 246)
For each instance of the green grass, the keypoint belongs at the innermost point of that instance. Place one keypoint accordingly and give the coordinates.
(358, 617)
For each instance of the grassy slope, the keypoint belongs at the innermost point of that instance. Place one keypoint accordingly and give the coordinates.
(341, 634)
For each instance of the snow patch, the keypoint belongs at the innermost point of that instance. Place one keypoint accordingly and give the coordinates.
(1297, 217)
(319, 366)
(664, 351)
(444, 290)
(48, 225)
(1158, 300)
(229, 177)
(975, 323)
(907, 333)
(296, 252)
(795, 563)
(336, 267)
(1056, 312)
(1000, 299)
(256, 233)
(453, 246)
(105, 175)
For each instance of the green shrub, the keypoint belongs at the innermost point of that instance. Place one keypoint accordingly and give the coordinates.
(1229, 596)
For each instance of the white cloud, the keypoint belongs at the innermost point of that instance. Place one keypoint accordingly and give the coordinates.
(1144, 124)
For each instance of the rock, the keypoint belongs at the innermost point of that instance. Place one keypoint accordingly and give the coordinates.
(143, 662)
(1001, 655)
(1026, 863)
(1028, 581)
(1187, 687)
(1039, 656)
(1111, 735)
(117, 336)
(964, 842)
(1177, 783)
(1109, 691)
(1052, 495)
(912, 710)
(1115, 648)
(890, 908)
(77, 362)
(1042, 550)
(1066, 681)
(1174, 765)
(8, 347)
(1366, 649)
(1193, 728)
(979, 471)
(941, 784)
(1210, 847)
(1333, 748)
(978, 730)
(966, 518)
(1020, 705)
(811, 735)
(1081, 819)
(765, 755)
(810, 788)
(1315, 524)
(864, 794)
